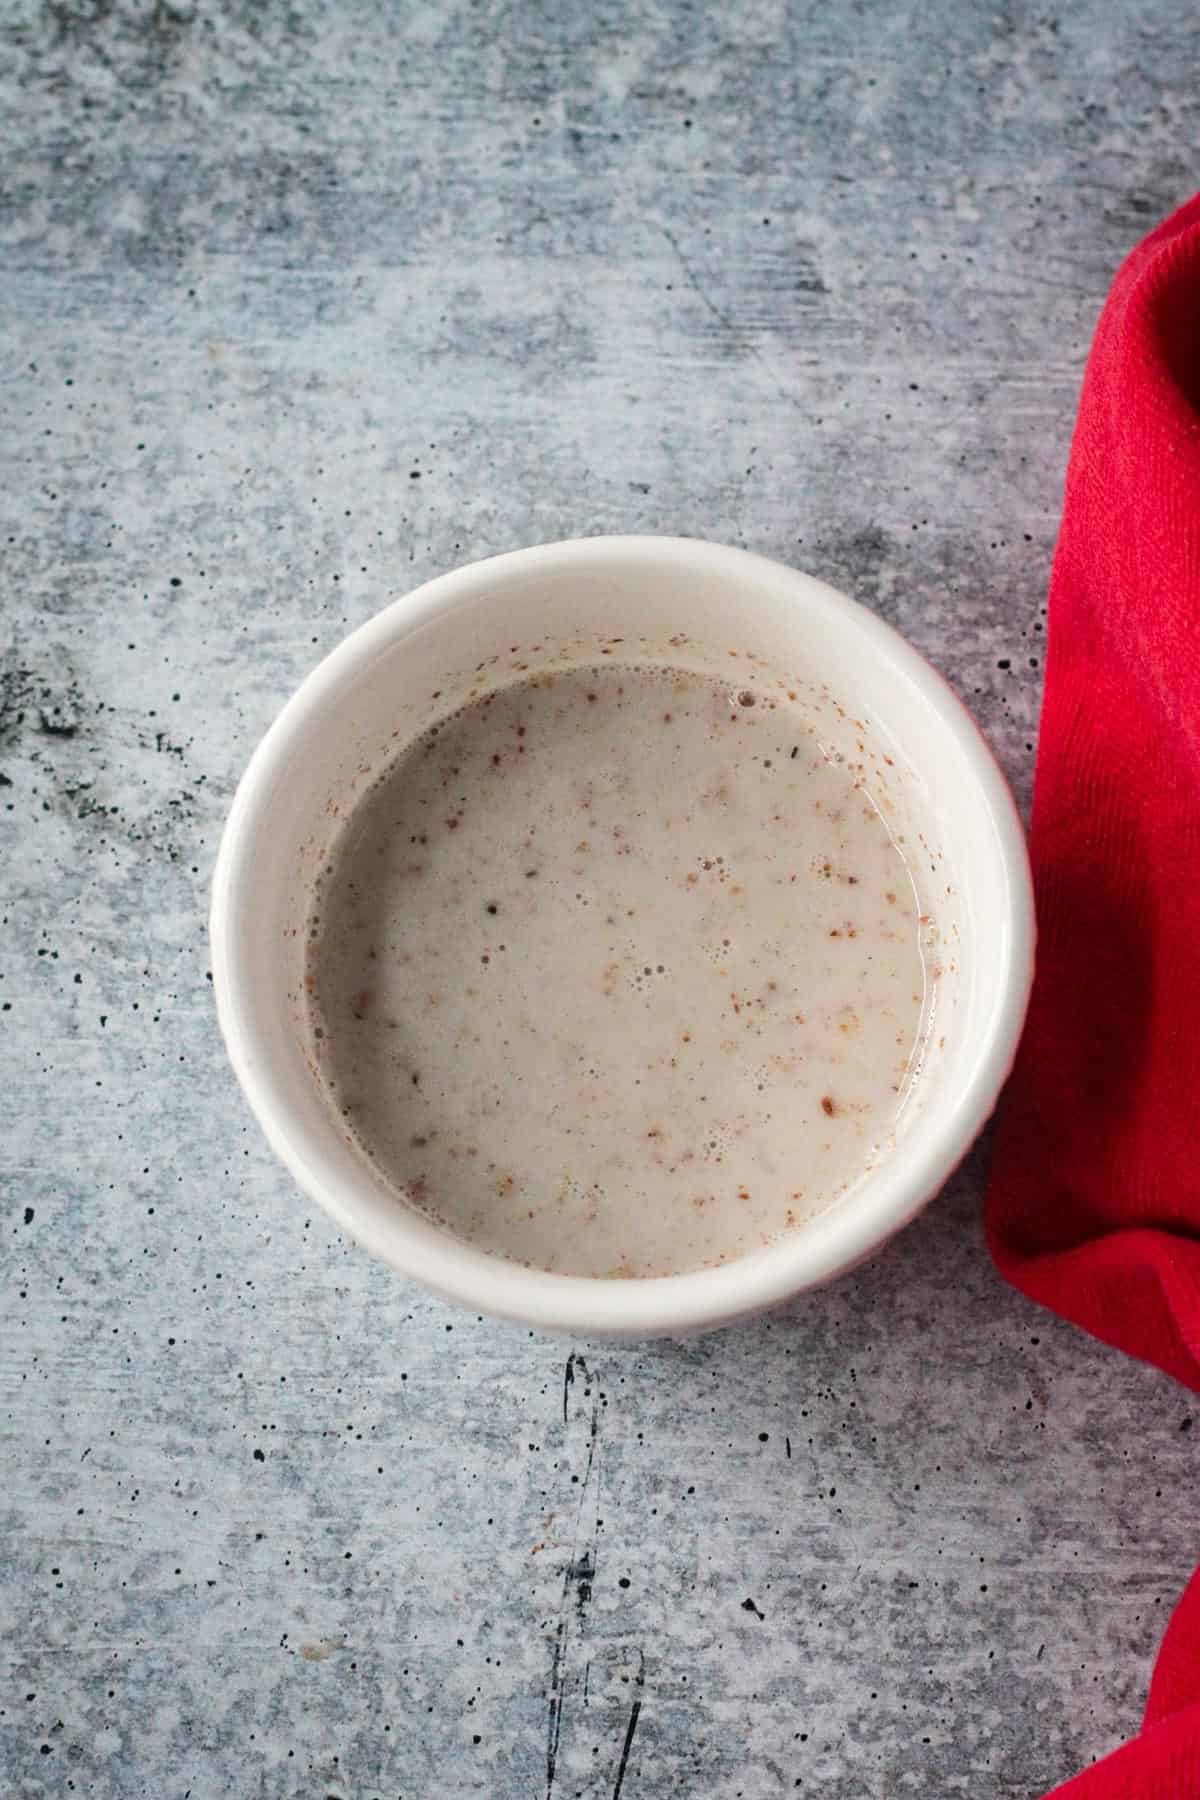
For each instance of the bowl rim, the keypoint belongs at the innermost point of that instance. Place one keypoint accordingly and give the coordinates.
(698, 1299)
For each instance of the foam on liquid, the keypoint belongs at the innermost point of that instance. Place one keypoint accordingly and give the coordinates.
(617, 972)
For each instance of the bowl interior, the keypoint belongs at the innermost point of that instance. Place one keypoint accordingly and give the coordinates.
(686, 605)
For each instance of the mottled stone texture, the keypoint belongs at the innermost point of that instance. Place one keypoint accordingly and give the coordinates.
(299, 306)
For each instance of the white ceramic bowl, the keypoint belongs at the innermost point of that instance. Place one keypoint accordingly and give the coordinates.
(429, 650)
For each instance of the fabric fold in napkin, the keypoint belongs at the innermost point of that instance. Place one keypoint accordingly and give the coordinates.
(1094, 1205)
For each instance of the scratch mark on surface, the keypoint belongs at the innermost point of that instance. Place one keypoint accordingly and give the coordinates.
(592, 1437)
(554, 1715)
(697, 286)
(583, 1573)
(727, 324)
(574, 1362)
(634, 1715)
(579, 1574)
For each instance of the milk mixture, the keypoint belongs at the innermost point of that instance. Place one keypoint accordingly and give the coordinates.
(617, 972)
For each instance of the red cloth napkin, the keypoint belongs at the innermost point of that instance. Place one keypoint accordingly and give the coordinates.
(1094, 1207)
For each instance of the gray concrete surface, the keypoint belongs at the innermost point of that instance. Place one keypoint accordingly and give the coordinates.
(299, 305)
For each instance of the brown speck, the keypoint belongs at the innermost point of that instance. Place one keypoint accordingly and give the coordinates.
(492, 907)
(362, 1003)
(746, 698)
(828, 1107)
(418, 1143)
(529, 874)
(890, 898)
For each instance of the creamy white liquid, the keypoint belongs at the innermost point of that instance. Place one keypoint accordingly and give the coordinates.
(618, 973)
